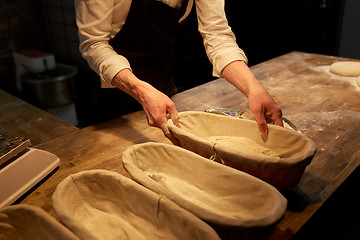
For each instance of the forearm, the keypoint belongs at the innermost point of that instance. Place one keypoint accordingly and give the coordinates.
(261, 103)
(238, 74)
(157, 106)
(126, 81)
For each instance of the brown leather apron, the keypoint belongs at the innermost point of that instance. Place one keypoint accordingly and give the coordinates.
(146, 41)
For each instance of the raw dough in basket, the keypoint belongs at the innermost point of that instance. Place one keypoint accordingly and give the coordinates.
(100, 204)
(216, 193)
(31, 223)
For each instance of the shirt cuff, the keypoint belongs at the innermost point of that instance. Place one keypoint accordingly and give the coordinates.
(227, 58)
(110, 67)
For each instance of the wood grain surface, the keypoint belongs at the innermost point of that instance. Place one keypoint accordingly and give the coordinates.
(322, 105)
(21, 119)
(10, 147)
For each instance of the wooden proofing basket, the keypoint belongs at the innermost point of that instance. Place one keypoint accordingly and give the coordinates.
(222, 196)
(294, 150)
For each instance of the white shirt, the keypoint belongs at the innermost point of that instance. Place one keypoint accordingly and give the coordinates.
(100, 20)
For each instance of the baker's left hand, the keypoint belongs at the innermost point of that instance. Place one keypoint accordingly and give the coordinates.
(265, 109)
(261, 103)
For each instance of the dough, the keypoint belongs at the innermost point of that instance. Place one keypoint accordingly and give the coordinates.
(346, 68)
(358, 81)
(243, 144)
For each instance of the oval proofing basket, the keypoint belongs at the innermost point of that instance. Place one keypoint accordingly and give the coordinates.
(24, 221)
(100, 204)
(280, 158)
(220, 195)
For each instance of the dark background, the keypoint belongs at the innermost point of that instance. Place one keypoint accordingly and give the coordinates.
(264, 29)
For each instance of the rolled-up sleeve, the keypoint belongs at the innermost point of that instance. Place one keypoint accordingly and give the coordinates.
(219, 40)
(97, 24)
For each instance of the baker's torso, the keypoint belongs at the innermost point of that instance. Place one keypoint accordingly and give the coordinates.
(146, 40)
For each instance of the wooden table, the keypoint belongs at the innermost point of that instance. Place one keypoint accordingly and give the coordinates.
(323, 106)
(18, 118)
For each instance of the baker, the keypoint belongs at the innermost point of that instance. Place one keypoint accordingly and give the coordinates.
(128, 43)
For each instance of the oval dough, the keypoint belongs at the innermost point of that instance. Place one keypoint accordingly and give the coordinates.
(346, 68)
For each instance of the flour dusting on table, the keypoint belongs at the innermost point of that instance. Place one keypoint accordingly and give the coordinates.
(326, 69)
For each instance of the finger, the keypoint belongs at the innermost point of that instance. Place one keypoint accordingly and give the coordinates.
(158, 120)
(279, 122)
(261, 122)
(174, 116)
(165, 129)
(168, 135)
(277, 118)
(262, 126)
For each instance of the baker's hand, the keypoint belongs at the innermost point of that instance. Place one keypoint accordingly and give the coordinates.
(261, 103)
(157, 106)
(158, 109)
(264, 109)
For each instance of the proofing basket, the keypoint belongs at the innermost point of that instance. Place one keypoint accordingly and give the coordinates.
(23, 221)
(101, 204)
(295, 150)
(221, 196)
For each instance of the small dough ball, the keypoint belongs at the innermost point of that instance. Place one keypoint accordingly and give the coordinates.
(346, 68)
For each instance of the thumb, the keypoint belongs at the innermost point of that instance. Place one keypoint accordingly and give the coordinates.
(168, 135)
(165, 129)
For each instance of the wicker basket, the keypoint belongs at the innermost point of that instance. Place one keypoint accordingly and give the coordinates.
(101, 204)
(219, 195)
(295, 150)
(23, 221)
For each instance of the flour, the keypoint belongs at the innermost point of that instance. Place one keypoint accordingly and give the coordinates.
(314, 122)
(326, 69)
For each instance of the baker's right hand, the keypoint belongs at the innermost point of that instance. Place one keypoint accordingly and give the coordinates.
(157, 106)
(158, 109)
